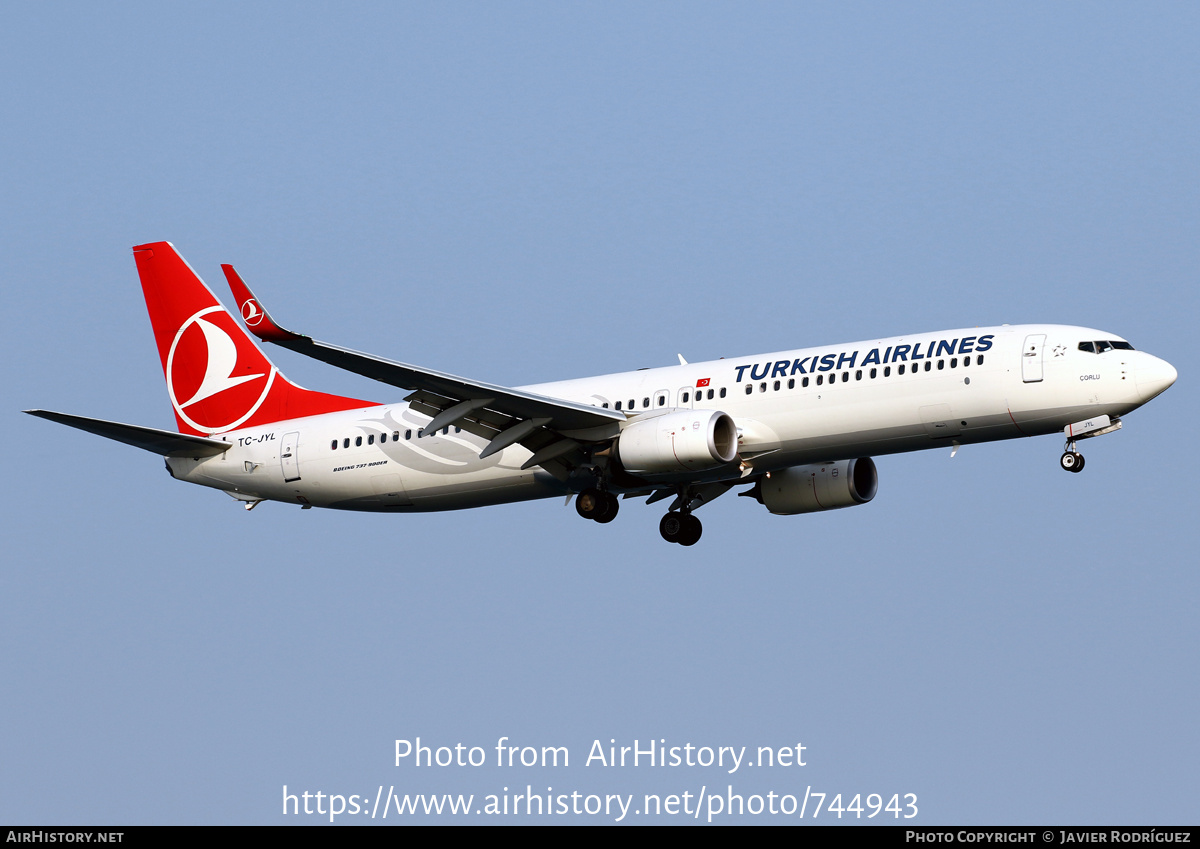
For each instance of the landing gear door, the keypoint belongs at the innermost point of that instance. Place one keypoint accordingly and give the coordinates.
(288, 458)
(1031, 358)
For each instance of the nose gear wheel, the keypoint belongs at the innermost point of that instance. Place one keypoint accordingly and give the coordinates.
(1071, 460)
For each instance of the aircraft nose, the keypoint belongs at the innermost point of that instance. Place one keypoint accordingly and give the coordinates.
(1154, 377)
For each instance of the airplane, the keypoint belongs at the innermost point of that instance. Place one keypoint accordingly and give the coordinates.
(797, 428)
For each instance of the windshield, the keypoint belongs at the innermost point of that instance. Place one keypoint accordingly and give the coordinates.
(1105, 345)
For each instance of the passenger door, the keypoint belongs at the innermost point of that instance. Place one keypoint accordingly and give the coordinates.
(288, 458)
(1031, 358)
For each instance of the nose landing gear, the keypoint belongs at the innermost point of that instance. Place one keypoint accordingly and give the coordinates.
(683, 528)
(1071, 460)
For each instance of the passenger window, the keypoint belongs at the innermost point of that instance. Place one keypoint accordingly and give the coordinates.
(928, 366)
(420, 433)
(954, 362)
(762, 387)
(371, 439)
(446, 430)
(618, 405)
(357, 441)
(776, 387)
(346, 442)
(408, 434)
(820, 379)
(966, 361)
(645, 402)
(722, 393)
(662, 399)
(845, 377)
(749, 388)
(685, 397)
(333, 445)
(873, 373)
(791, 383)
(887, 371)
(979, 360)
(632, 404)
(858, 374)
(395, 436)
(804, 383)
(382, 438)
(900, 369)
(941, 365)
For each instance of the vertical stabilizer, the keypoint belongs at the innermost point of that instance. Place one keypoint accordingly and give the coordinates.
(217, 378)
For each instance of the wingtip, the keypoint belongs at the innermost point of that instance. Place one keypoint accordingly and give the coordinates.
(254, 315)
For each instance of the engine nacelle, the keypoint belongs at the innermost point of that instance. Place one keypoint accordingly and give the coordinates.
(683, 441)
(821, 486)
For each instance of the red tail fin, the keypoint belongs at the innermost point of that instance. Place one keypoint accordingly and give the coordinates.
(217, 378)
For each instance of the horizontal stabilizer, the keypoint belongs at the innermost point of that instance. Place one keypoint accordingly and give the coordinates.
(164, 442)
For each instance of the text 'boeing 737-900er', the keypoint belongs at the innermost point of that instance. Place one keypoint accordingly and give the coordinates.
(797, 428)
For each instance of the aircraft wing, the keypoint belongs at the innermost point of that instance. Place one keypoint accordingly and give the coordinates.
(549, 427)
(164, 442)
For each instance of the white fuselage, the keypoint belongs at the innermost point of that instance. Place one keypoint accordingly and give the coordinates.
(809, 405)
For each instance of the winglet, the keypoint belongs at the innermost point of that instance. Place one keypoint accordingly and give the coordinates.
(254, 314)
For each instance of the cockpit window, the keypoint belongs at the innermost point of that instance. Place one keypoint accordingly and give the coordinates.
(1105, 345)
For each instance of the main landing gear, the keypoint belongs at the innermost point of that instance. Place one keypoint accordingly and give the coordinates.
(597, 505)
(1071, 460)
(677, 526)
(683, 528)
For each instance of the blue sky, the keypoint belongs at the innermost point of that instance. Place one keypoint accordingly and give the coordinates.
(530, 192)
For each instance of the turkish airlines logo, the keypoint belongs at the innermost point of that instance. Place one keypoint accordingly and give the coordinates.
(212, 402)
(252, 314)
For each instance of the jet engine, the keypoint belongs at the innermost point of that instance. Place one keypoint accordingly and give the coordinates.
(820, 486)
(683, 441)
